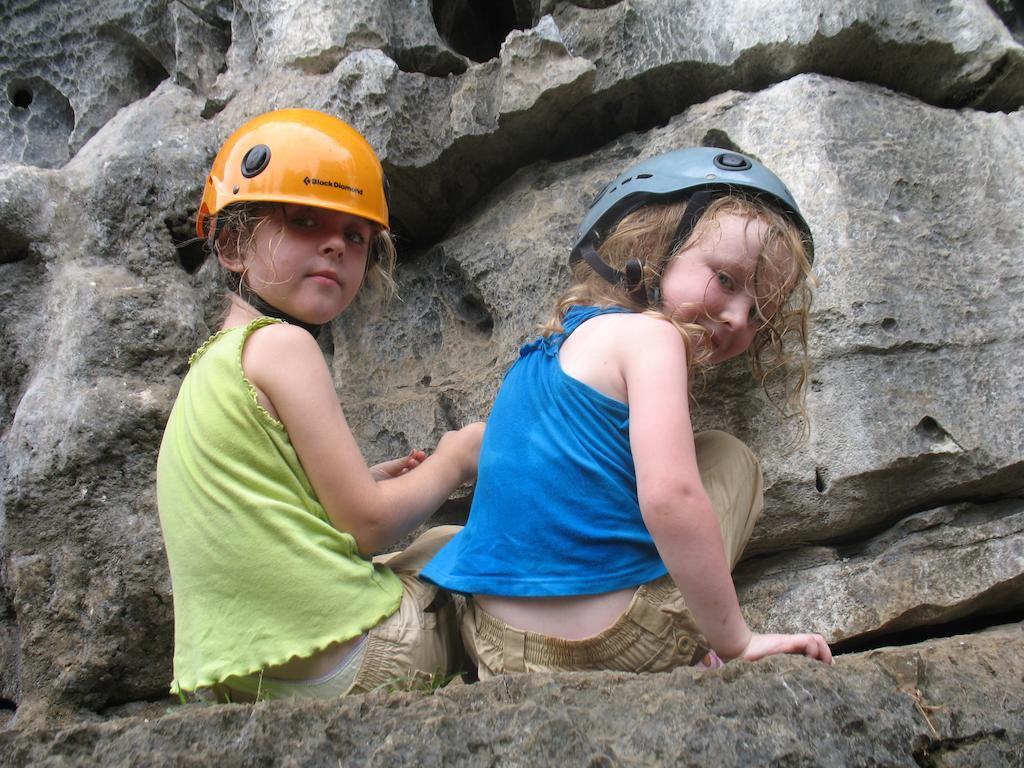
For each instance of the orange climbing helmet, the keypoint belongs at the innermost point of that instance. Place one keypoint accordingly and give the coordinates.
(297, 156)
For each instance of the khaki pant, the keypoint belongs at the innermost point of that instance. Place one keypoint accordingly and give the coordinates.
(416, 644)
(656, 632)
(420, 640)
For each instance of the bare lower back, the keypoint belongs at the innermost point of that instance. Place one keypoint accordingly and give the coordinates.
(570, 618)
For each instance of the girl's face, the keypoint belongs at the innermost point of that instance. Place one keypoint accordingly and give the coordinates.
(711, 284)
(306, 261)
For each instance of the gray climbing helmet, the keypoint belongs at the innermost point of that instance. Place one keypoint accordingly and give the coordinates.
(703, 173)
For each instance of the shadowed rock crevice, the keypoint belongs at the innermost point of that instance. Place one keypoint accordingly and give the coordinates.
(428, 60)
(973, 623)
(17, 321)
(144, 66)
(14, 245)
(909, 68)
(190, 250)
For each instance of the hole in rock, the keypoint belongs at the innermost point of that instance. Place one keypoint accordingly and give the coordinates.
(21, 97)
(8, 705)
(929, 427)
(889, 324)
(472, 310)
(477, 28)
(820, 480)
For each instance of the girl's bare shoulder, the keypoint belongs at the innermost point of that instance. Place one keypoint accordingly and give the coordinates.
(278, 345)
(640, 328)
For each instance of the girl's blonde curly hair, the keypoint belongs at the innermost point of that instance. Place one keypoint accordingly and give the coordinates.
(782, 284)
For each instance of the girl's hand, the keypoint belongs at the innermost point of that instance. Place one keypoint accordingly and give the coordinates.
(396, 467)
(810, 645)
(462, 446)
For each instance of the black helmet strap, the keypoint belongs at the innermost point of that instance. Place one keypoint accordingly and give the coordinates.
(270, 310)
(633, 276)
(695, 208)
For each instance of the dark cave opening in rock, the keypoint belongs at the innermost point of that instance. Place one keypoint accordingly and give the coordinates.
(477, 28)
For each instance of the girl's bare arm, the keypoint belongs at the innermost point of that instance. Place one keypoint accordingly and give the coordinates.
(286, 366)
(675, 507)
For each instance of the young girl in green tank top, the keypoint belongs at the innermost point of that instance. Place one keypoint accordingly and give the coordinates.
(268, 509)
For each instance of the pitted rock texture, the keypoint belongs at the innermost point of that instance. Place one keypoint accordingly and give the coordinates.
(898, 126)
(930, 704)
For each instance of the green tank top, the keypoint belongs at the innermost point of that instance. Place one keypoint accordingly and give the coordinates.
(258, 571)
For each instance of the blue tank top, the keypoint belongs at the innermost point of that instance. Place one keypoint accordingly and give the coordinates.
(555, 509)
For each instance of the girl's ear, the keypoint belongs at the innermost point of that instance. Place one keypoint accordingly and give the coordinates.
(227, 252)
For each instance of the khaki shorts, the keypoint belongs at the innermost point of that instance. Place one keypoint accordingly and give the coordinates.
(419, 643)
(415, 646)
(656, 632)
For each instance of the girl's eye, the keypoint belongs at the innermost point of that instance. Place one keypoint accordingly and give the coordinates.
(726, 281)
(303, 222)
(357, 237)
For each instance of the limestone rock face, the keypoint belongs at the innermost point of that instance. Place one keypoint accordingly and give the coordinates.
(68, 67)
(898, 127)
(930, 704)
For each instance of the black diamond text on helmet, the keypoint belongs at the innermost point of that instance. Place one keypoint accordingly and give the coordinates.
(336, 184)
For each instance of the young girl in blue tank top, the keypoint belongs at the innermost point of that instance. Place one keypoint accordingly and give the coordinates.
(268, 509)
(603, 531)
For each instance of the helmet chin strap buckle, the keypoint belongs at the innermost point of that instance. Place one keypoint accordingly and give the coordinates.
(635, 282)
(633, 277)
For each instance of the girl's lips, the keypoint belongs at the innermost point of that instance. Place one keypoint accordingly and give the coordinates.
(326, 275)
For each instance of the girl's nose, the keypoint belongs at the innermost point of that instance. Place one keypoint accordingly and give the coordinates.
(333, 244)
(737, 312)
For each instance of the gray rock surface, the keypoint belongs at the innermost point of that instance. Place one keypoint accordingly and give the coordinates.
(68, 67)
(953, 53)
(901, 513)
(930, 704)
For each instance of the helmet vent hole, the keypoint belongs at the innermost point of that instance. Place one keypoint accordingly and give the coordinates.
(645, 176)
(477, 28)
